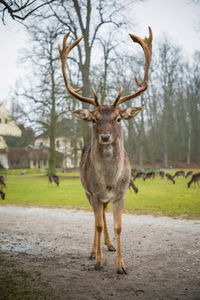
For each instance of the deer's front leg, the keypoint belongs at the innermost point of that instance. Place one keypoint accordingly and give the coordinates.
(117, 214)
(98, 214)
(94, 248)
(107, 239)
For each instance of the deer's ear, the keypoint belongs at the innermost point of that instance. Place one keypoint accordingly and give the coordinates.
(83, 114)
(130, 112)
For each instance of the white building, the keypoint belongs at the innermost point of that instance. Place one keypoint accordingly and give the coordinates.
(7, 128)
(65, 146)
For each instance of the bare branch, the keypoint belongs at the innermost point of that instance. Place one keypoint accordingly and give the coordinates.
(14, 9)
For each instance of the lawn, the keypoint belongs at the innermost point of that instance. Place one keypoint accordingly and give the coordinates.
(155, 196)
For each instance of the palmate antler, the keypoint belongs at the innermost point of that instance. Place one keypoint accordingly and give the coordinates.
(63, 55)
(145, 43)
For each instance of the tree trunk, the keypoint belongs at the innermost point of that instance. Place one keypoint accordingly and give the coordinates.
(52, 151)
(52, 127)
(141, 156)
(75, 149)
(165, 150)
(189, 142)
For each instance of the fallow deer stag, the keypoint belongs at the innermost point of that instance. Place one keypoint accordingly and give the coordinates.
(105, 171)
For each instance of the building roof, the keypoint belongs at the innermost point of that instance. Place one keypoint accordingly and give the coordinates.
(24, 153)
(30, 153)
(8, 127)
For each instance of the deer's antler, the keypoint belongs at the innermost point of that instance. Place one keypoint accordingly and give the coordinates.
(146, 44)
(63, 55)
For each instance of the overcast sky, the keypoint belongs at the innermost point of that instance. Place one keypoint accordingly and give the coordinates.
(180, 19)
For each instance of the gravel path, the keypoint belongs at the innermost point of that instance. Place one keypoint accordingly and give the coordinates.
(162, 255)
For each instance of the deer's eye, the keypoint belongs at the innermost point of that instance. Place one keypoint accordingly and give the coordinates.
(93, 121)
(118, 119)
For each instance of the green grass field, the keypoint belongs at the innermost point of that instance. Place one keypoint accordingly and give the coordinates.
(155, 196)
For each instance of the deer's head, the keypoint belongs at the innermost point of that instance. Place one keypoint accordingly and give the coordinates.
(106, 118)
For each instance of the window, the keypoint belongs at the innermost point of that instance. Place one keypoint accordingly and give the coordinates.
(41, 144)
(0, 120)
(6, 121)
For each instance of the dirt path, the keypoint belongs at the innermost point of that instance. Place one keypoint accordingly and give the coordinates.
(162, 255)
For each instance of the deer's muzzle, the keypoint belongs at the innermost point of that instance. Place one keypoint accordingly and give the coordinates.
(105, 139)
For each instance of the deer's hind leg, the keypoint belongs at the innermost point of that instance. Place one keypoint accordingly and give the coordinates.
(107, 239)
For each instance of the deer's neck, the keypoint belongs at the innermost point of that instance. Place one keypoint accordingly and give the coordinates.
(108, 160)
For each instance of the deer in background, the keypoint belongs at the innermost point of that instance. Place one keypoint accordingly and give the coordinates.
(179, 173)
(2, 194)
(195, 178)
(150, 175)
(132, 185)
(2, 182)
(189, 173)
(162, 174)
(2, 186)
(105, 171)
(54, 178)
(170, 177)
(139, 175)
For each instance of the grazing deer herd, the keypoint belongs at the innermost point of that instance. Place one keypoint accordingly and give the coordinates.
(195, 178)
(139, 174)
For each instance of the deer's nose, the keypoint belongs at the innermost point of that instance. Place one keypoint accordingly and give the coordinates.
(105, 137)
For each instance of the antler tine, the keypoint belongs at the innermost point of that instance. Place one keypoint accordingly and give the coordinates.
(146, 44)
(63, 55)
(95, 97)
(119, 95)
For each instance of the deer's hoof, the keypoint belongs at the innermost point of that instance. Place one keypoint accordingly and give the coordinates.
(98, 267)
(121, 271)
(92, 256)
(111, 248)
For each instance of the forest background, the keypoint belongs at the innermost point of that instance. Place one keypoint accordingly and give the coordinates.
(165, 134)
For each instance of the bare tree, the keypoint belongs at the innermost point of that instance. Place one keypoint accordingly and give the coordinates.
(169, 60)
(45, 87)
(20, 10)
(89, 19)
